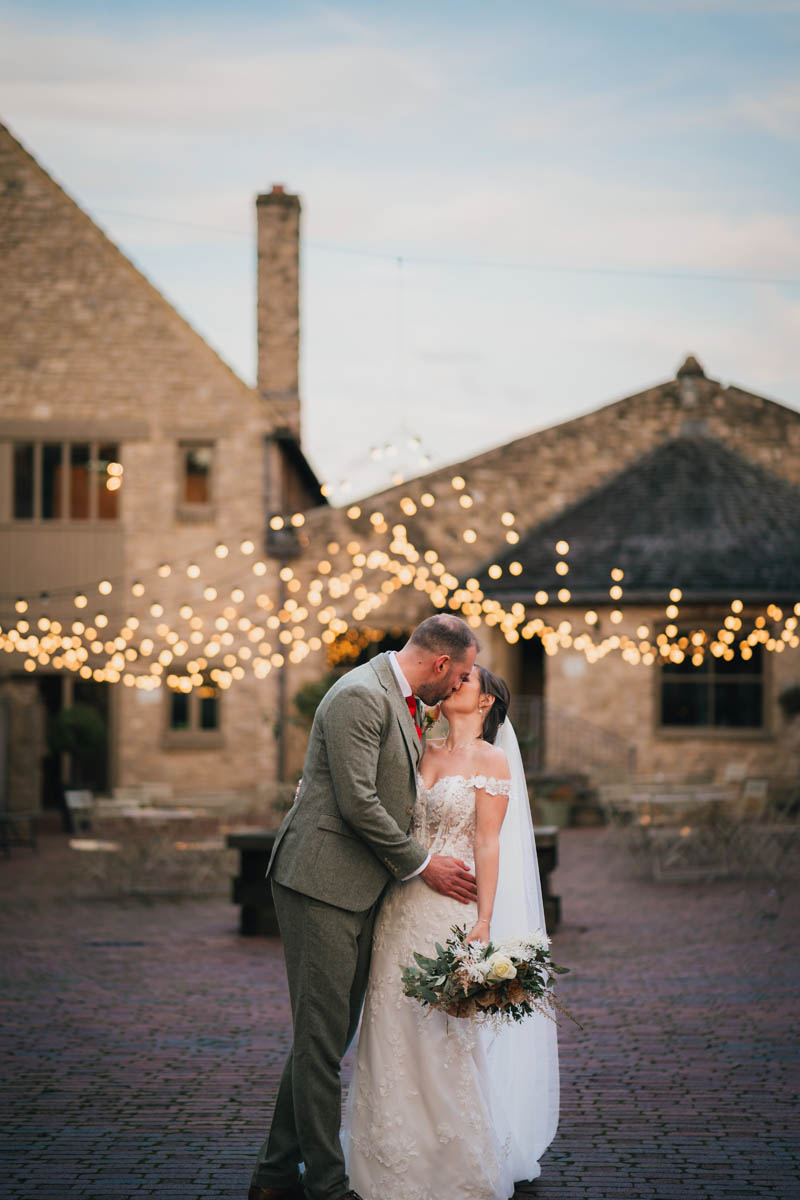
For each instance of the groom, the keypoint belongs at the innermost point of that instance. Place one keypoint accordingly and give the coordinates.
(345, 837)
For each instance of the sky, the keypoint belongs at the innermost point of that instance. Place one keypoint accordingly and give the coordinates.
(513, 213)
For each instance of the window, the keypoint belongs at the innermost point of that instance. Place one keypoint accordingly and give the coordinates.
(716, 695)
(194, 715)
(79, 481)
(51, 481)
(179, 711)
(196, 483)
(23, 481)
(74, 481)
(109, 481)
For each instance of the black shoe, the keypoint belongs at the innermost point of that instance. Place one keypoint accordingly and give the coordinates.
(293, 1192)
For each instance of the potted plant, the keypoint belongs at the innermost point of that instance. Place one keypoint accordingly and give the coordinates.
(789, 700)
(80, 732)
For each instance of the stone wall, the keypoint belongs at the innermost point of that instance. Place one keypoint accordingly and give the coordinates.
(624, 699)
(24, 720)
(89, 348)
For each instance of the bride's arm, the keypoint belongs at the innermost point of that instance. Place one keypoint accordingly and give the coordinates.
(490, 810)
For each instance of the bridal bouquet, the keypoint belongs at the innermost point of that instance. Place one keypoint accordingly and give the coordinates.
(510, 980)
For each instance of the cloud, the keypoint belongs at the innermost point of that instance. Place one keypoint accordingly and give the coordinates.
(758, 8)
(776, 111)
(403, 141)
(178, 79)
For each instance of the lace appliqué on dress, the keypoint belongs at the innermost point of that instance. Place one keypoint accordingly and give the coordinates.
(495, 787)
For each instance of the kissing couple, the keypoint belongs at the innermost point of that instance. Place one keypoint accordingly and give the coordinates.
(391, 841)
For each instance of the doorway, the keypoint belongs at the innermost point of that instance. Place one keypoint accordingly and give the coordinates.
(78, 737)
(527, 703)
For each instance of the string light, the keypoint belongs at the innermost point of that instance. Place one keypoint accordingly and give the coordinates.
(403, 566)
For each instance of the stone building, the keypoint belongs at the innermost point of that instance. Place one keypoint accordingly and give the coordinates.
(147, 492)
(690, 488)
(132, 457)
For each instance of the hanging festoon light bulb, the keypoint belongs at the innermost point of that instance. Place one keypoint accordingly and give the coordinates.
(369, 577)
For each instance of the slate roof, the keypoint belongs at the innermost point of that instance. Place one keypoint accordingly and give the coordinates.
(691, 514)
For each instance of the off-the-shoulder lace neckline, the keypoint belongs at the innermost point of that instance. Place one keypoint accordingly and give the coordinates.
(466, 778)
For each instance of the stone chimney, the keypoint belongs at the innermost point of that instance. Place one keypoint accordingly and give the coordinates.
(278, 219)
(690, 375)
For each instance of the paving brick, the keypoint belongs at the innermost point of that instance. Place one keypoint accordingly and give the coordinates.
(150, 1069)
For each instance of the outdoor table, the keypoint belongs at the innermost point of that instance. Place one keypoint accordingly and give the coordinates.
(679, 804)
(159, 814)
(687, 831)
(145, 835)
(252, 892)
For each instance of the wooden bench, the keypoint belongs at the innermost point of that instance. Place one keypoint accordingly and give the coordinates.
(252, 892)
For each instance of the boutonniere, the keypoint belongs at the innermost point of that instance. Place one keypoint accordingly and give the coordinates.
(430, 717)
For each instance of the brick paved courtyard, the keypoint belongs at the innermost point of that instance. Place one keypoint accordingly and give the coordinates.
(142, 1041)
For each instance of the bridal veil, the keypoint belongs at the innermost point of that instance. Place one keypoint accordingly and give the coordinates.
(523, 1057)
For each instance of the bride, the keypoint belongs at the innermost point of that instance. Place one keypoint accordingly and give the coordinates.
(439, 1105)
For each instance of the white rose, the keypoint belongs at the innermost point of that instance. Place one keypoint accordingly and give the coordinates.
(499, 967)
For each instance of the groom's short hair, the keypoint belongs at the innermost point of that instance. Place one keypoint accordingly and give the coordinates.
(444, 634)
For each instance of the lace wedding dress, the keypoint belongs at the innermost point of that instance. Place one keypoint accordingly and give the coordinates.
(422, 1120)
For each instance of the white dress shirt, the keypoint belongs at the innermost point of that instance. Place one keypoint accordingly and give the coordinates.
(405, 688)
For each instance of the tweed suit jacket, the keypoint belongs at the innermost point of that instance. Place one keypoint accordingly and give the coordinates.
(347, 835)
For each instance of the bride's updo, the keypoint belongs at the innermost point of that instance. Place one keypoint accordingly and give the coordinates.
(493, 685)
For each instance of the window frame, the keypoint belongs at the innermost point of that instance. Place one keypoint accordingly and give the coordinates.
(195, 737)
(187, 510)
(64, 494)
(762, 732)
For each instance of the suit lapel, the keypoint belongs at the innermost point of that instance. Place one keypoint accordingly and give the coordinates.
(386, 676)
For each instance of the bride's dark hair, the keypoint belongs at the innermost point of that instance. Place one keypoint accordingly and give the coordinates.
(493, 685)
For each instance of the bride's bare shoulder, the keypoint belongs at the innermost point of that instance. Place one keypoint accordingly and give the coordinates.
(491, 761)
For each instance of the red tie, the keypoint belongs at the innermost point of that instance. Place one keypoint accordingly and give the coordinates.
(411, 701)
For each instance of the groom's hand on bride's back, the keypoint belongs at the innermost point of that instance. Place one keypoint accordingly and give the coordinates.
(451, 877)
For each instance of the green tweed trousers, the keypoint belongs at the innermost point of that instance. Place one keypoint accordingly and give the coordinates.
(327, 952)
